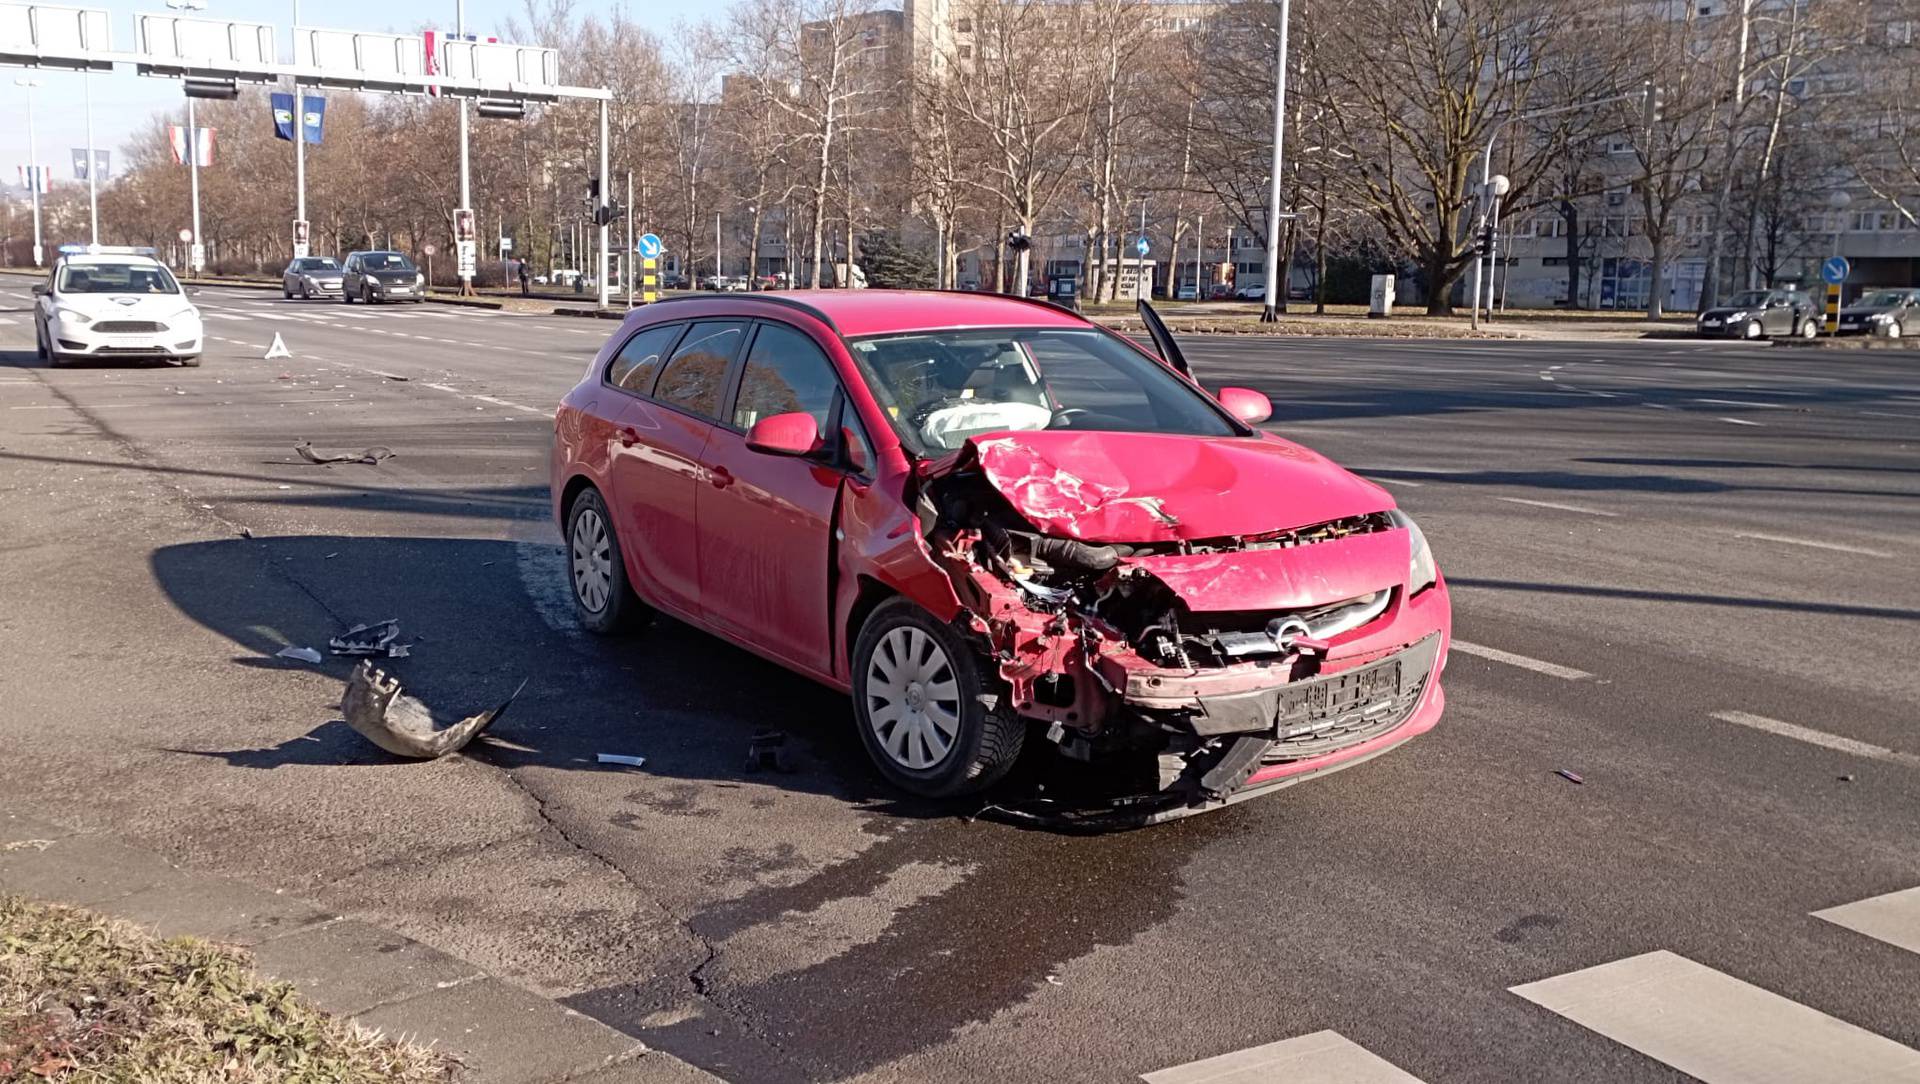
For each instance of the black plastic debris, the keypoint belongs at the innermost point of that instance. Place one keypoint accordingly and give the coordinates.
(768, 749)
(1571, 777)
(369, 456)
(377, 639)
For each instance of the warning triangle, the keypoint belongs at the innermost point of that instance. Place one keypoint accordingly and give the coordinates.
(277, 350)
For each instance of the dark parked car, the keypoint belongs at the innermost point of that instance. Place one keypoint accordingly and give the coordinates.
(1760, 314)
(1889, 314)
(311, 277)
(381, 276)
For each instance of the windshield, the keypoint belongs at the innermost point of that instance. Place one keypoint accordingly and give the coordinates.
(1748, 299)
(116, 278)
(1887, 299)
(386, 261)
(941, 387)
(316, 263)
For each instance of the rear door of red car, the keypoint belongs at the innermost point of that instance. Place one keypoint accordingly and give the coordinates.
(765, 519)
(658, 468)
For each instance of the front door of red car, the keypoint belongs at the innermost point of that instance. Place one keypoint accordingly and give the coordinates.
(658, 465)
(765, 520)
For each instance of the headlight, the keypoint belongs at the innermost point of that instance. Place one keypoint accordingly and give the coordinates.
(70, 316)
(1421, 572)
(309, 280)
(1879, 317)
(1732, 316)
(183, 314)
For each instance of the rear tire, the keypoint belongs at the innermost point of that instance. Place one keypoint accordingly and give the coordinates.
(918, 692)
(603, 599)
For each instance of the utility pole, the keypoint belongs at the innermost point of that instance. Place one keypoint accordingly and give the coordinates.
(33, 170)
(600, 213)
(1270, 313)
(716, 249)
(299, 148)
(1199, 253)
(630, 251)
(197, 254)
(466, 192)
(93, 169)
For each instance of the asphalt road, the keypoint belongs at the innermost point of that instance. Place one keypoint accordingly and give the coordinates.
(1682, 572)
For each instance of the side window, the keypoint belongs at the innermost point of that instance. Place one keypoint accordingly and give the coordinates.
(695, 377)
(786, 373)
(633, 368)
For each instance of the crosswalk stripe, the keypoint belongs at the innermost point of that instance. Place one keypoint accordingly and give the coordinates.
(1324, 1057)
(1893, 918)
(1717, 1028)
(229, 316)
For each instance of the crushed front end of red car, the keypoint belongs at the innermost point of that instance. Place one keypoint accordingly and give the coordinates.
(1203, 619)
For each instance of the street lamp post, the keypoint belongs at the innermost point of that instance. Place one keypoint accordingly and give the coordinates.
(466, 192)
(1496, 189)
(197, 253)
(1839, 201)
(1270, 313)
(299, 146)
(33, 169)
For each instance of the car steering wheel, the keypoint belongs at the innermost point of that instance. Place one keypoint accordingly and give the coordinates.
(1063, 417)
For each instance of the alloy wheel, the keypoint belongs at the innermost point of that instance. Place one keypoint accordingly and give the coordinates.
(913, 698)
(591, 555)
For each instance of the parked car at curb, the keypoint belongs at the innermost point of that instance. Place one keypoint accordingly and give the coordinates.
(111, 301)
(1888, 314)
(1760, 314)
(381, 276)
(1001, 528)
(311, 276)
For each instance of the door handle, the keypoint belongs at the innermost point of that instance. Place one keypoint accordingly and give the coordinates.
(720, 477)
(629, 436)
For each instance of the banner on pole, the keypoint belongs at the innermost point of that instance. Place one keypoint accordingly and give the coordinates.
(102, 163)
(313, 116)
(201, 140)
(34, 178)
(282, 105)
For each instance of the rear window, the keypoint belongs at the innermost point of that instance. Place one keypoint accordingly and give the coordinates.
(695, 377)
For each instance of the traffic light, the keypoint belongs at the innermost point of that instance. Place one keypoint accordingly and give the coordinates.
(606, 213)
(593, 189)
(1655, 98)
(1018, 241)
(1483, 241)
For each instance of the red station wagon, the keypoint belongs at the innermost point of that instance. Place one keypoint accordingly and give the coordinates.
(998, 525)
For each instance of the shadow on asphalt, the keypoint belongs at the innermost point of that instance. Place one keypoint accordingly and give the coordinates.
(1581, 590)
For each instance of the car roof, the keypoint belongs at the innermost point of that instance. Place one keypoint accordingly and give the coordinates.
(855, 313)
(108, 257)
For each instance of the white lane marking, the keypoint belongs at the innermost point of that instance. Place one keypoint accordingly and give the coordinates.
(1745, 403)
(1818, 737)
(513, 405)
(1546, 377)
(1580, 508)
(1885, 414)
(1835, 546)
(1738, 421)
(1538, 666)
(218, 315)
(1324, 1057)
(1660, 406)
(1717, 1028)
(1893, 918)
(1395, 482)
(8, 322)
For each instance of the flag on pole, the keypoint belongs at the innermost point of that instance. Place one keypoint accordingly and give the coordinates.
(34, 178)
(202, 144)
(313, 117)
(281, 104)
(102, 163)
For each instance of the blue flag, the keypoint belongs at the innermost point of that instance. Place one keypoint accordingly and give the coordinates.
(314, 117)
(282, 116)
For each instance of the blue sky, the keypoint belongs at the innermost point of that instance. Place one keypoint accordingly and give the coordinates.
(122, 102)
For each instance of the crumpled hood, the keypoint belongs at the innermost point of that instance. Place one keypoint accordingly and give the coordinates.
(1152, 487)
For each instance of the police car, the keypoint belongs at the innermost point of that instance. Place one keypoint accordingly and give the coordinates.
(109, 301)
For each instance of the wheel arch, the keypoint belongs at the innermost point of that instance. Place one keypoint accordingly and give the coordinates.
(868, 596)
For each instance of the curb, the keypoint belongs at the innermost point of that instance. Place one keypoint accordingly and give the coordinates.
(499, 1033)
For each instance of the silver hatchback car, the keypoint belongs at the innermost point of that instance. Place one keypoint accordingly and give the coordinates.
(310, 277)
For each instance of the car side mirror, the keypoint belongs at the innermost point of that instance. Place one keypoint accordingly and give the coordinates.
(1246, 404)
(41, 289)
(785, 434)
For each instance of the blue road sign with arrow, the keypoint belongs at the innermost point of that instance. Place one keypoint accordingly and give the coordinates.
(1142, 247)
(1835, 270)
(648, 246)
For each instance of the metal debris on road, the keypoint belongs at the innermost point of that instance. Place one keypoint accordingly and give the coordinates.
(374, 707)
(768, 749)
(370, 456)
(621, 758)
(303, 654)
(1570, 777)
(376, 638)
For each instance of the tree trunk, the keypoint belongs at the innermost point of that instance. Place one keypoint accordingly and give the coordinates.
(1570, 214)
(1657, 285)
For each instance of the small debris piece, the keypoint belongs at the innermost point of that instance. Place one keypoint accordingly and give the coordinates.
(1055, 980)
(370, 456)
(403, 726)
(621, 758)
(303, 654)
(768, 749)
(1570, 777)
(1847, 778)
(374, 638)
(246, 532)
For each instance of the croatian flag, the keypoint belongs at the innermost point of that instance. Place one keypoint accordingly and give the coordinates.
(34, 179)
(435, 42)
(202, 144)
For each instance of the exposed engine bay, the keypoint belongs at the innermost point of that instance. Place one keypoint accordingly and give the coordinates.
(1192, 663)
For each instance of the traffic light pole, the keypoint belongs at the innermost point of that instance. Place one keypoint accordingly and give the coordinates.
(600, 273)
(466, 191)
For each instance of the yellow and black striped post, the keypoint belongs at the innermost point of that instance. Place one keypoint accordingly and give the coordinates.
(1833, 308)
(649, 280)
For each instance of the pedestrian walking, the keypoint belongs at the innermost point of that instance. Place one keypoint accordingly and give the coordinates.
(526, 287)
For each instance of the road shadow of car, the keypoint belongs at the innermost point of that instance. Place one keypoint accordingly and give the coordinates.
(28, 359)
(483, 614)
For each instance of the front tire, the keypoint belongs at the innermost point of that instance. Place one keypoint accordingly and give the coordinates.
(366, 294)
(1752, 330)
(1810, 329)
(596, 573)
(40, 342)
(921, 705)
(192, 362)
